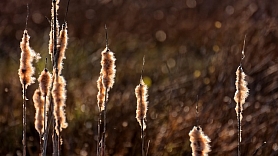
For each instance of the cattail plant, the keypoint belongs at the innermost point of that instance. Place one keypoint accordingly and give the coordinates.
(240, 96)
(45, 80)
(199, 142)
(39, 117)
(59, 99)
(104, 84)
(141, 92)
(58, 41)
(26, 72)
(61, 47)
(41, 103)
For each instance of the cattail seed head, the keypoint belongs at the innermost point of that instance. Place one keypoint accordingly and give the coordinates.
(62, 45)
(101, 94)
(241, 89)
(240, 96)
(108, 70)
(59, 99)
(141, 92)
(199, 142)
(39, 106)
(45, 80)
(26, 69)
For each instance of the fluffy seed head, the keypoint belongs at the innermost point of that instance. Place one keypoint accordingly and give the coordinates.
(62, 45)
(240, 95)
(141, 92)
(45, 80)
(39, 106)
(59, 99)
(101, 94)
(199, 142)
(241, 88)
(26, 69)
(108, 70)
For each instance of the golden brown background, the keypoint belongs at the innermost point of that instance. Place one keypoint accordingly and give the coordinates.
(192, 49)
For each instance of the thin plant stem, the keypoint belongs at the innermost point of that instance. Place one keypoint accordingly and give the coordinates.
(41, 144)
(142, 135)
(239, 128)
(99, 136)
(104, 123)
(24, 120)
(148, 147)
(51, 117)
(58, 142)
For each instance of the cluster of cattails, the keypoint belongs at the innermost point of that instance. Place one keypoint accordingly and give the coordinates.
(104, 83)
(50, 98)
(51, 91)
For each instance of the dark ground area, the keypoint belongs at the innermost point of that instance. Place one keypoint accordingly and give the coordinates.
(192, 49)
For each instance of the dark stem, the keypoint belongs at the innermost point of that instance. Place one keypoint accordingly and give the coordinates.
(106, 35)
(104, 123)
(239, 130)
(24, 120)
(142, 136)
(50, 116)
(54, 136)
(27, 16)
(99, 135)
(54, 140)
(58, 141)
(41, 145)
(148, 148)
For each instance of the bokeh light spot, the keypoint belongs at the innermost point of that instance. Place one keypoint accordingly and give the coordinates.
(37, 18)
(147, 80)
(197, 73)
(229, 10)
(191, 3)
(216, 48)
(158, 15)
(217, 24)
(171, 63)
(160, 36)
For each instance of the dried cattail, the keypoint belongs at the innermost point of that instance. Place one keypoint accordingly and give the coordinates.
(45, 80)
(240, 95)
(26, 70)
(53, 35)
(199, 142)
(101, 94)
(108, 70)
(62, 45)
(59, 98)
(39, 106)
(241, 89)
(141, 92)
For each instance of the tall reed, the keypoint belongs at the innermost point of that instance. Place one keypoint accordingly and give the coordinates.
(26, 72)
(240, 96)
(141, 92)
(39, 117)
(105, 83)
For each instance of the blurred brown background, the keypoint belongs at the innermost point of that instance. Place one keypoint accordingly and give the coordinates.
(192, 49)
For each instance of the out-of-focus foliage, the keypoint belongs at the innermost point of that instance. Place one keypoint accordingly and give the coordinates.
(192, 50)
